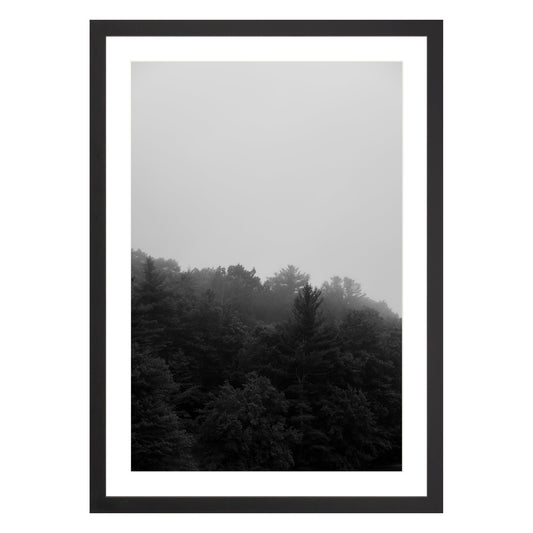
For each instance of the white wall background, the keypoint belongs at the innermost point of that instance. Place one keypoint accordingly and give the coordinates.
(44, 217)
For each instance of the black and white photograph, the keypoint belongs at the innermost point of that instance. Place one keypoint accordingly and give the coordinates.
(266, 266)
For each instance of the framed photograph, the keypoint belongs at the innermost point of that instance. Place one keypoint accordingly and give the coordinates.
(266, 266)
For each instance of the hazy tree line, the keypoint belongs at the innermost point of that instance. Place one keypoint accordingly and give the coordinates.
(232, 373)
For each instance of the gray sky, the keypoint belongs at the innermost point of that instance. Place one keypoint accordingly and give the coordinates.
(267, 164)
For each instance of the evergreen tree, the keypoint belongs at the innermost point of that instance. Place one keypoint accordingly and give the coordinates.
(158, 440)
(152, 310)
(288, 280)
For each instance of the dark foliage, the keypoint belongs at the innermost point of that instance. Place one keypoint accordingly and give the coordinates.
(230, 373)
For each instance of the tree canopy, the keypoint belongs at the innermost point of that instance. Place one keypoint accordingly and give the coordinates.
(232, 373)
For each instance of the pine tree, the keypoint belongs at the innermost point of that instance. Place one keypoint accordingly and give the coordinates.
(289, 280)
(158, 439)
(152, 311)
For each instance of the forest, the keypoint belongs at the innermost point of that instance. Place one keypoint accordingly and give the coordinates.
(230, 372)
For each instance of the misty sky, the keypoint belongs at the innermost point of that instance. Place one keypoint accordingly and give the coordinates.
(269, 164)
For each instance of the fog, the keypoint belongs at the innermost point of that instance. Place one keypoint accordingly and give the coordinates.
(269, 164)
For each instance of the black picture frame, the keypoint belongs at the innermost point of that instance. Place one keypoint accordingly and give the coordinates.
(433, 502)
